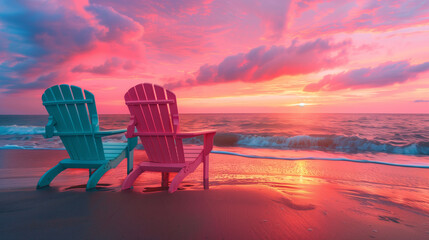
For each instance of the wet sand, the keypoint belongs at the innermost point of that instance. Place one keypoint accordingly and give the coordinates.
(248, 199)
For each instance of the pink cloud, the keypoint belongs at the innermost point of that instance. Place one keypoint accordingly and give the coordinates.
(272, 14)
(205, 42)
(331, 17)
(264, 64)
(107, 67)
(383, 75)
(175, 30)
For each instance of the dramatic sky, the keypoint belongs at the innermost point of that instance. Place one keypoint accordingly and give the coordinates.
(220, 55)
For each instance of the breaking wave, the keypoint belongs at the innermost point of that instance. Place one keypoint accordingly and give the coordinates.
(337, 143)
(21, 130)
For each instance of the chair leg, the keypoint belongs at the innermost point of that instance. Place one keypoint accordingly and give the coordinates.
(165, 179)
(96, 175)
(47, 178)
(178, 179)
(130, 160)
(131, 178)
(206, 172)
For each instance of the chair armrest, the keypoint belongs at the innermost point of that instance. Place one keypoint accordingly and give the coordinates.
(208, 142)
(109, 132)
(50, 131)
(208, 135)
(132, 143)
(131, 127)
(208, 138)
(49, 128)
(195, 134)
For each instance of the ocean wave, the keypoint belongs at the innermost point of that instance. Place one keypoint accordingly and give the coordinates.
(336, 143)
(11, 146)
(21, 130)
(346, 144)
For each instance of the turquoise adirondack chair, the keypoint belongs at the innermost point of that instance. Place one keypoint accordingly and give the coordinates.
(155, 119)
(73, 117)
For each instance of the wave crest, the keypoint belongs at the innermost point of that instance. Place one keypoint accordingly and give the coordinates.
(339, 143)
(347, 144)
(21, 130)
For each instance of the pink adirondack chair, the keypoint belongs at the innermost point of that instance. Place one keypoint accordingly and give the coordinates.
(155, 119)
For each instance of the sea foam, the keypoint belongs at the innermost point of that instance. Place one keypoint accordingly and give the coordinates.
(411, 165)
(349, 144)
(336, 143)
(21, 130)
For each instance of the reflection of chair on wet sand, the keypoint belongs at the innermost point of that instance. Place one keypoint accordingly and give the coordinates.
(155, 119)
(74, 119)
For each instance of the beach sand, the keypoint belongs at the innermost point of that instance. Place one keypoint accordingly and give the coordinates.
(248, 199)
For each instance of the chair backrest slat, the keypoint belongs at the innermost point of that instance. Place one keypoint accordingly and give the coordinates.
(174, 118)
(79, 141)
(86, 124)
(137, 112)
(150, 125)
(151, 105)
(167, 123)
(71, 112)
(154, 110)
(93, 116)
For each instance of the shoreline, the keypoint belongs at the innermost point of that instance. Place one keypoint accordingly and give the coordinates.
(30, 165)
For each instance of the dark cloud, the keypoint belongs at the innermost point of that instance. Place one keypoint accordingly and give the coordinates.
(420, 100)
(385, 74)
(39, 37)
(106, 68)
(41, 82)
(264, 64)
(119, 27)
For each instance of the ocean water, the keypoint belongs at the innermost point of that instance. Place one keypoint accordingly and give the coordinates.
(393, 139)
